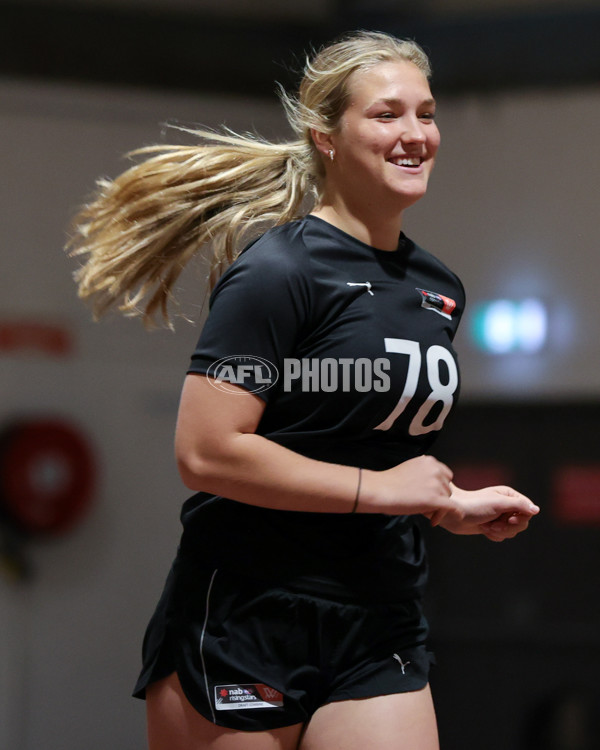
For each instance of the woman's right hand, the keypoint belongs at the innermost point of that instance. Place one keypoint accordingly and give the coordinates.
(420, 485)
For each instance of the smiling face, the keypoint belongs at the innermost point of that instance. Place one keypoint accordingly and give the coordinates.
(386, 140)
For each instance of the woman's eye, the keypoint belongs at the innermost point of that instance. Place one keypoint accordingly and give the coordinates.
(427, 116)
(386, 116)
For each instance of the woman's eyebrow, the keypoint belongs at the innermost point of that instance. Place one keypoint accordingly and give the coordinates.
(392, 100)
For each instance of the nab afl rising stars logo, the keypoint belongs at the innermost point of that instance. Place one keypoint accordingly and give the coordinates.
(437, 302)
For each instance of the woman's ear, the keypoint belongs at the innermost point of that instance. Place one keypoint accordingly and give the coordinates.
(322, 142)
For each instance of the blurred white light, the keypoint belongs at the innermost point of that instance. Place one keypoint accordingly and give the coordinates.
(499, 327)
(531, 325)
(502, 326)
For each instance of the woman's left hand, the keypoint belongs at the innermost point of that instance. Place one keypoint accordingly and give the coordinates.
(498, 513)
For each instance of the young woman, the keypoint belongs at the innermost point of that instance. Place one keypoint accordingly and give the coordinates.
(292, 615)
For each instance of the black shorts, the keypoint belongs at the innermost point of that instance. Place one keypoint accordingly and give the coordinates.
(254, 658)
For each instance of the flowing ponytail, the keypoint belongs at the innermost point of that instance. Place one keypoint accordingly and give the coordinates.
(141, 229)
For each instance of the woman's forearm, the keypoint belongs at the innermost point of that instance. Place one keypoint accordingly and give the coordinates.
(255, 470)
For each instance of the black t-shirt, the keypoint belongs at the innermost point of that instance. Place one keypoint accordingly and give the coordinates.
(350, 348)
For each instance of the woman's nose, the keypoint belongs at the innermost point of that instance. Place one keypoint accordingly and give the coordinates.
(413, 132)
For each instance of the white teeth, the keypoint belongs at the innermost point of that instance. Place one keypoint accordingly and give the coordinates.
(408, 162)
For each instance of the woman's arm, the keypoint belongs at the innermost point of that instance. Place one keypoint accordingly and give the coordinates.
(218, 451)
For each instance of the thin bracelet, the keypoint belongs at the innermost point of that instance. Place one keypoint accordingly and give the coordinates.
(356, 499)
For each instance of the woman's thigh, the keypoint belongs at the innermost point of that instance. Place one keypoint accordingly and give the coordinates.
(403, 721)
(174, 724)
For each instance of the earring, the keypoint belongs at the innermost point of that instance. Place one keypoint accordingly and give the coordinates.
(331, 153)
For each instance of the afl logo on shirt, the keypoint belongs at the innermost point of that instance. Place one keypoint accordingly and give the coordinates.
(254, 374)
(437, 302)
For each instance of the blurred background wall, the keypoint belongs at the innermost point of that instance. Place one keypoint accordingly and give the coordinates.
(513, 208)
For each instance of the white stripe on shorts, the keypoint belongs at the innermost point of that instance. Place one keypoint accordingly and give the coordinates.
(210, 585)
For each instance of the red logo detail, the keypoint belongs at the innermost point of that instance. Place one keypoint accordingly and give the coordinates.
(449, 304)
(223, 693)
(269, 694)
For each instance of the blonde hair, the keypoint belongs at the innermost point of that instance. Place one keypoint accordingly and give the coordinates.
(141, 229)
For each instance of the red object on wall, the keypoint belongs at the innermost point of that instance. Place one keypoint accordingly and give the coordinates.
(47, 475)
(30, 335)
(576, 494)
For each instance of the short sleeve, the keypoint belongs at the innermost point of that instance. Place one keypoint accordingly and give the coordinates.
(258, 311)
